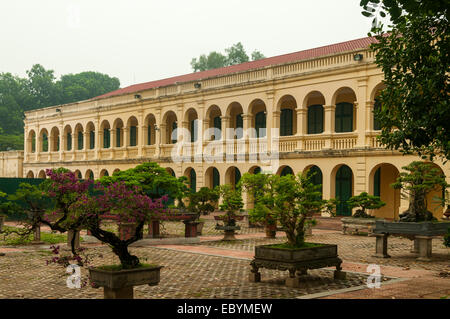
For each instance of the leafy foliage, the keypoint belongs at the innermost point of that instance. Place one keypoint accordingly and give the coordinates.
(420, 179)
(364, 201)
(233, 55)
(204, 201)
(414, 57)
(231, 203)
(41, 89)
(296, 197)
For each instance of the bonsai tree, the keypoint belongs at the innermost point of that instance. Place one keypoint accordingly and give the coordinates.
(126, 205)
(261, 188)
(231, 203)
(203, 202)
(364, 201)
(420, 179)
(294, 198)
(152, 180)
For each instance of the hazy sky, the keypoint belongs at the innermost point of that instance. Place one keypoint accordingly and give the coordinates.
(144, 40)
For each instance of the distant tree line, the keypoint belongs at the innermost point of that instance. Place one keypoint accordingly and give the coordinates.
(233, 55)
(41, 89)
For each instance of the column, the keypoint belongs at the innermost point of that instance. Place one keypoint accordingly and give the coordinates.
(301, 127)
(275, 125)
(361, 111)
(140, 133)
(112, 136)
(85, 144)
(159, 138)
(62, 146)
(98, 139)
(329, 111)
(126, 141)
(74, 138)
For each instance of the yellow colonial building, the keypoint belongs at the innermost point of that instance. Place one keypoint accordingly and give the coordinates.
(311, 109)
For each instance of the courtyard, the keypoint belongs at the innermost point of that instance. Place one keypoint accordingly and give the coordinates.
(213, 268)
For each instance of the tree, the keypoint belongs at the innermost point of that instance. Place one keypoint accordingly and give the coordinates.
(231, 203)
(417, 182)
(295, 198)
(414, 57)
(153, 180)
(204, 201)
(364, 201)
(234, 55)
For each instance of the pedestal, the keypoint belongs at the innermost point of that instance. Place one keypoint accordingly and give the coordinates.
(190, 228)
(118, 293)
(425, 247)
(37, 236)
(154, 229)
(415, 246)
(381, 248)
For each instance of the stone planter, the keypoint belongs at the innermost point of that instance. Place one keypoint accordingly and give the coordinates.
(295, 260)
(119, 284)
(229, 231)
(356, 224)
(421, 233)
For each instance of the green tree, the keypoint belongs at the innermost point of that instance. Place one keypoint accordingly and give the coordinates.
(41, 86)
(417, 182)
(233, 55)
(414, 57)
(365, 202)
(204, 201)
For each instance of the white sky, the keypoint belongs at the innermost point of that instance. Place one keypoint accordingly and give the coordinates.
(144, 40)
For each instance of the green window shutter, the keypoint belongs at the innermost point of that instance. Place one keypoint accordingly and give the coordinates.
(216, 178)
(44, 143)
(377, 182)
(91, 175)
(315, 119)
(343, 190)
(194, 130)
(80, 140)
(237, 176)
(91, 140)
(376, 123)
(257, 170)
(69, 141)
(33, 144)
(239, 124)
(118, 130)
(193, 178)
(133, 131)
(218, 128)
(286, 122)
(174, 127)
(317, 178)
(106, 138)
(149, 135)
(344, 117)
(260, 124)
(286, 171)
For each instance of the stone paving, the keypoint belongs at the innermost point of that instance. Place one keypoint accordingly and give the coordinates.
(185, 275)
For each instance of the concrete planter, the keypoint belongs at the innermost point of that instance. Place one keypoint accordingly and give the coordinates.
(357, 224)
(421, 233)
(229, 231)
(295, 260)
(119, 284)
(271, 230)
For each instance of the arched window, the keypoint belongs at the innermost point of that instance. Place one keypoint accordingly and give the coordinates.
(106, 138)
(315, 119)
(133, 135)
(344, 117)
(316, 177)
(44, 142)
(260, 124)
(69, 141)
(193, 180)
(377, 182)
(173, 135)
(80, 140)
(343, 190)
(286, 171)
(118, 141)
(239, 126)
(91, 140)
(376, 123)
(218, 128)
(286, 122)
(215, 178)
(149, 135)
(237, 176)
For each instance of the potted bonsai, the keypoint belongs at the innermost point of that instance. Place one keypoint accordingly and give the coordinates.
(294, 198)
(417, 222)
(231, 204)
(260, 187)
(361, 219)
(201, 203)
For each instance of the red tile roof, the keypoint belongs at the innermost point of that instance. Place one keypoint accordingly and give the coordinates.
(280, 59)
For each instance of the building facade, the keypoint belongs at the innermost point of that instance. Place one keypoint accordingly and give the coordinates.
(11, 164)
(309, 110)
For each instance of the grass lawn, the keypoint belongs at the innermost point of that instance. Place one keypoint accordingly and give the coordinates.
(48, 238)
